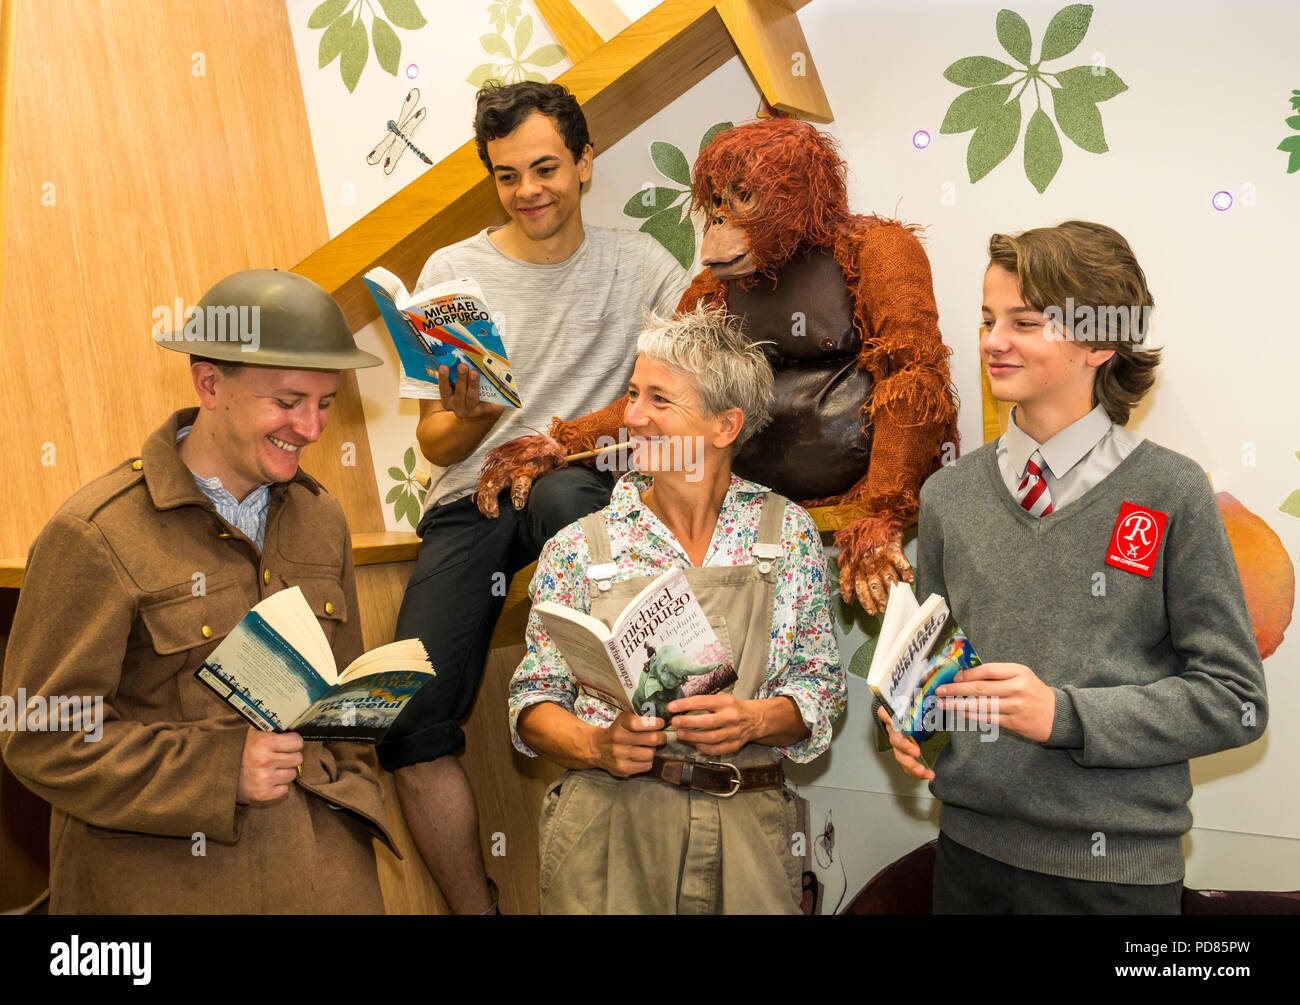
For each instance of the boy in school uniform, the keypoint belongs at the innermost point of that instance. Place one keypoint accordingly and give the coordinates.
(1091, 569)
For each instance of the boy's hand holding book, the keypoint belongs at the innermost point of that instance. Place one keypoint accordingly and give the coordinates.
(906, 752)
(1015, 698)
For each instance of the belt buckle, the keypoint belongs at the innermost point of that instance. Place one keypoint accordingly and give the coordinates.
(735, 779)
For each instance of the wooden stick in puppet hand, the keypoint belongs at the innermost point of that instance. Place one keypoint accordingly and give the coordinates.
(518, 463)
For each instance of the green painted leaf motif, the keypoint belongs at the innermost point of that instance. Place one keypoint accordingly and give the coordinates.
(1093, 86)
(1080, 120)
(523, 33)
(495, 45)
(1292, 505)
(671, 163)
(331, 43)
(537, 78)
(1066, 31)
(1294, 121)
(393, 493)
(1042, 151)
(975, 71)
(993, 141)
(674, 233)
(1291, 143)
(650, 201)
(403, 13)
(860, 664)
(356, 50)
(326, 13)
(1293, 163)
(546, 55)
(388, 47)
(1014, 35)
(397, 474)
(481, 74)
(712, 132)
(423, 493)
(972, 108)
(408, 460)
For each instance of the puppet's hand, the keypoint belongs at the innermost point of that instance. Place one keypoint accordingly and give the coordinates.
(868, 570)
(516, 464)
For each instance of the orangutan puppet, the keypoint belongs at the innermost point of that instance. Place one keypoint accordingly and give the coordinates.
(863, 401)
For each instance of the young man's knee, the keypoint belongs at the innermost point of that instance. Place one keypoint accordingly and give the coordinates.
(561, 497)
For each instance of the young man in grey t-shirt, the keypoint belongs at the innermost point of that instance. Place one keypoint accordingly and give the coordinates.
(571, 301)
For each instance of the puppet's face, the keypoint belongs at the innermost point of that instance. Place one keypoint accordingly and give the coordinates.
(725, 248)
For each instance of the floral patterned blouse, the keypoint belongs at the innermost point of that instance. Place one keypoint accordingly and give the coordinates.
(803, 660)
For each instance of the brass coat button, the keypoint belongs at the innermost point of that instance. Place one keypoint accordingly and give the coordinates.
(266, 575)
(207, 632)
(329, 608)
(828, 344)
(225, 535)
(137, 465)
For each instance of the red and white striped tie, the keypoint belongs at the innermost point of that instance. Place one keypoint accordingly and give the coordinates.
(1032, 492)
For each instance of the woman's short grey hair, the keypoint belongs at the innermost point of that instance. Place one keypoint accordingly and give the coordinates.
(710, 346)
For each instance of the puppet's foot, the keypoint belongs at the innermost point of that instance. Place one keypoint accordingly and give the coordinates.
(516, 464)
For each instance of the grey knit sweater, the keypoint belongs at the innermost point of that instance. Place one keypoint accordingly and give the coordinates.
(1146, 672)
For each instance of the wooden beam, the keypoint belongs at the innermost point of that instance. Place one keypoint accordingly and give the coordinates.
(631, 77)
(604, 16)
(578, 37)
(772, 44)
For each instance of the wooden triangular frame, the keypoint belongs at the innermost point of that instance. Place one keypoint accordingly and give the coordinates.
(620, 84)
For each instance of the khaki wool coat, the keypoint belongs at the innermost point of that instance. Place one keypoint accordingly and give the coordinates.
(129, 587)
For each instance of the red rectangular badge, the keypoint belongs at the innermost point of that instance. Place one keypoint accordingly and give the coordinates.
(1135, 541)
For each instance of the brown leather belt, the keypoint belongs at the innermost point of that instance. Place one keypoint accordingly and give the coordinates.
(721, 778)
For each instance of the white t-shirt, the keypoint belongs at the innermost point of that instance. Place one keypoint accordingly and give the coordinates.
(569, 329)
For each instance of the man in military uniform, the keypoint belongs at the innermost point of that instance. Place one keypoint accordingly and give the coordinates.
(172, 803)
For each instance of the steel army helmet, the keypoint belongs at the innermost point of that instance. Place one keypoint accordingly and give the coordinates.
(266, 317)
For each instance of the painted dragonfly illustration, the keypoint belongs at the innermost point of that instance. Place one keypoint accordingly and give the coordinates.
(392, 146)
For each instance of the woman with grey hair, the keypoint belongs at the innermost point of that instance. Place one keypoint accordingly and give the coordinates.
(691, 814)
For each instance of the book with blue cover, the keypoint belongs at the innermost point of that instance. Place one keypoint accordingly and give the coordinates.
(920, 648)
(443, 325)
(277, 670)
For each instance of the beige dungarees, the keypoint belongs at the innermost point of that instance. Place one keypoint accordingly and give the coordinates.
(642, 846)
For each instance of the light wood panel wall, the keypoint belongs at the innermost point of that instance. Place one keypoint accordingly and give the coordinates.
(508, 787)
(168, 149)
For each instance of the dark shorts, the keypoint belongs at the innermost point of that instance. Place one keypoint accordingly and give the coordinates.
(966, 882)
(456, 594)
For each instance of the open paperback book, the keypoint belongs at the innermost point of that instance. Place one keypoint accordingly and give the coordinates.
(660, 648)
(277, 670)
(919, 649)
(443, 325)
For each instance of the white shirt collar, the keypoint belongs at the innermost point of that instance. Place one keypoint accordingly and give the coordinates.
(1064, 450)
